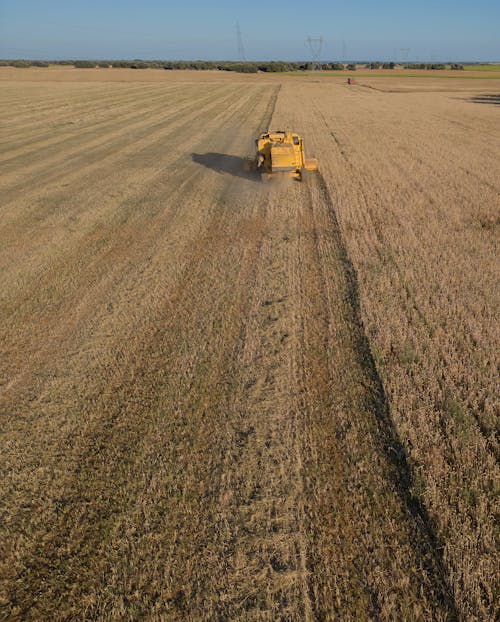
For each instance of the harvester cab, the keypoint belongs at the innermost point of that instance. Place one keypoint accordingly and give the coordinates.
(282, 153)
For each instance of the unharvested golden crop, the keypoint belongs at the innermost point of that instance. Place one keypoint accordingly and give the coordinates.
(227, 400)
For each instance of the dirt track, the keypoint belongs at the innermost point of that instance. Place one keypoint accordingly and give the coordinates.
(198, 421)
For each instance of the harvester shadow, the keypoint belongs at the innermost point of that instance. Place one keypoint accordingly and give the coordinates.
(487, 98)
(225, 164)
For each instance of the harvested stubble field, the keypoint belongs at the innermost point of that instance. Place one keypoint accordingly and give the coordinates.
(227, 400)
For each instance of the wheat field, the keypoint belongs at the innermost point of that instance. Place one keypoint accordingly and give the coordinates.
(228, 400)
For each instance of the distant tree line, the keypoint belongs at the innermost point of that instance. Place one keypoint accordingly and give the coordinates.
(379, 65)
(240, 67)
(19, 62)
(437, 66)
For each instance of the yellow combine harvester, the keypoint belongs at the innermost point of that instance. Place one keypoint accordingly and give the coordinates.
(282, 153)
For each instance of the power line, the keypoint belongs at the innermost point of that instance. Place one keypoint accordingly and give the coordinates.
(241, 49)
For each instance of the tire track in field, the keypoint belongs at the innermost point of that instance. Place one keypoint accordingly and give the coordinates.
(384, 435)
(351, 525)
(361, 559)
(261, 492)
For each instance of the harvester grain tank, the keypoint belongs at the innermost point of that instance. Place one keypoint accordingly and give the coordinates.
(281, 153)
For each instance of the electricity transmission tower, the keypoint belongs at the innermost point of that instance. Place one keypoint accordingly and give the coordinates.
(241, 49)
(316, 47)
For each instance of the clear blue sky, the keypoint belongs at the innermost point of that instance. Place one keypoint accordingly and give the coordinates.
(195, 29)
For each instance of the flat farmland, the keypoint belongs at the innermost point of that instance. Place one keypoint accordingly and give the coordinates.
(228, 400)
